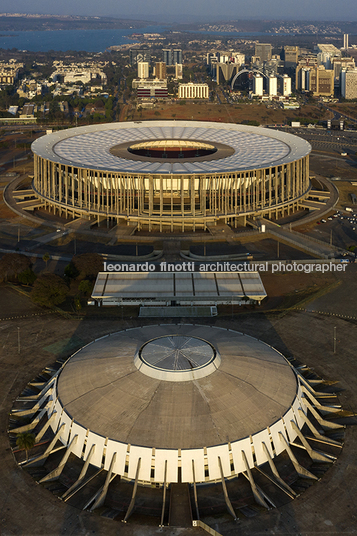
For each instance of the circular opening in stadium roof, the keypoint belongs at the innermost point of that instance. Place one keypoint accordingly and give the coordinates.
(177, 358)
(172, 149)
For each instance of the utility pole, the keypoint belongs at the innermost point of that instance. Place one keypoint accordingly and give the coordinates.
(278, 249)
(334, 340)
(18, 340)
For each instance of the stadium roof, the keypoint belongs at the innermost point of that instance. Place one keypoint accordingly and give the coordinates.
(251, 147)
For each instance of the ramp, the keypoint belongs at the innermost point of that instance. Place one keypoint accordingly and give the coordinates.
(180, 506)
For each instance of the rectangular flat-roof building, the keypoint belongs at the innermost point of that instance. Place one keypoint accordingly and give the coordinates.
(178, 288)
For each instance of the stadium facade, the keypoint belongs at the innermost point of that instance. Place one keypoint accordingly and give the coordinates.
(179, 175)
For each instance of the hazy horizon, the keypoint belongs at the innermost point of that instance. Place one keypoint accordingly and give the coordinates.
(204, 11)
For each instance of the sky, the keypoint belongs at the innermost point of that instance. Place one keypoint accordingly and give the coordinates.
(192, 10)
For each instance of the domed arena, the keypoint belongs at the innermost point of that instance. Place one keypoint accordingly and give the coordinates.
(177, 408)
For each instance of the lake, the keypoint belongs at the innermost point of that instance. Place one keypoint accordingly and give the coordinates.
(88, 40)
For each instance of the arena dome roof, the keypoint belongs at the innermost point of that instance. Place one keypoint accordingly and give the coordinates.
(239, 147)
(250, 387)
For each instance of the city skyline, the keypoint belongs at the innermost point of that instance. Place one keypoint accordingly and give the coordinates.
(198, 11)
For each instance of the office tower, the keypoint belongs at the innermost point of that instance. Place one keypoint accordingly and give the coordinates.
(345, 41)
(263, 51)
(167, 56)
(178, 71)
(258, 85)
(348, 82)
(160, 70)
(285, 85)
(272, 86)
(143, 69)
(291, 54)
(176, 56)
(136, 55)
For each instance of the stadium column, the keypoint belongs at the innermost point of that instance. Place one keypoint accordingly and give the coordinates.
(79, 182)
(192, 184)
(270, 181)
(60, 184)
(161, 200)
(66, 189)
(171, 203)
(283, 189)
(151, 199)
(182, 192)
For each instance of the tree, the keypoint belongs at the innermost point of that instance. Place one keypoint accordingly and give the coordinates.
(46, 258)
(88, 265)
(70, 272)
(49, 290)
(12, 264)
(27, 277)
(25, 441)
(85, 287)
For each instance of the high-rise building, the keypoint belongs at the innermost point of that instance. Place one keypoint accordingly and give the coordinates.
(345, 41)
(178, 71)
(177, 56)
(291, 54)
(136, 55)
(263, 51)
(160, 70)
(342, 63)
(143, 69)
(348, 83)
(322, 81)
(272, 86)
(225, 72)
(258, 85)
(167, 56)
(285, 85)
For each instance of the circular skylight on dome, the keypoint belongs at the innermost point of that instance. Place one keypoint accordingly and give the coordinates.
(177, 358)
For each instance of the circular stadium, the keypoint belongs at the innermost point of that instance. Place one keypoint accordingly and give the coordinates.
(177, 175)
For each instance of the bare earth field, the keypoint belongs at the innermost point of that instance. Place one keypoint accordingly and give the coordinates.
(204, 111)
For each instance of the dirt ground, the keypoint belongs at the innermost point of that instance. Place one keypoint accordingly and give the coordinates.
(329, 506)
(237, 113)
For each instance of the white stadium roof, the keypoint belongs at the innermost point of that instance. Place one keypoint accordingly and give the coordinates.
(89, 147)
